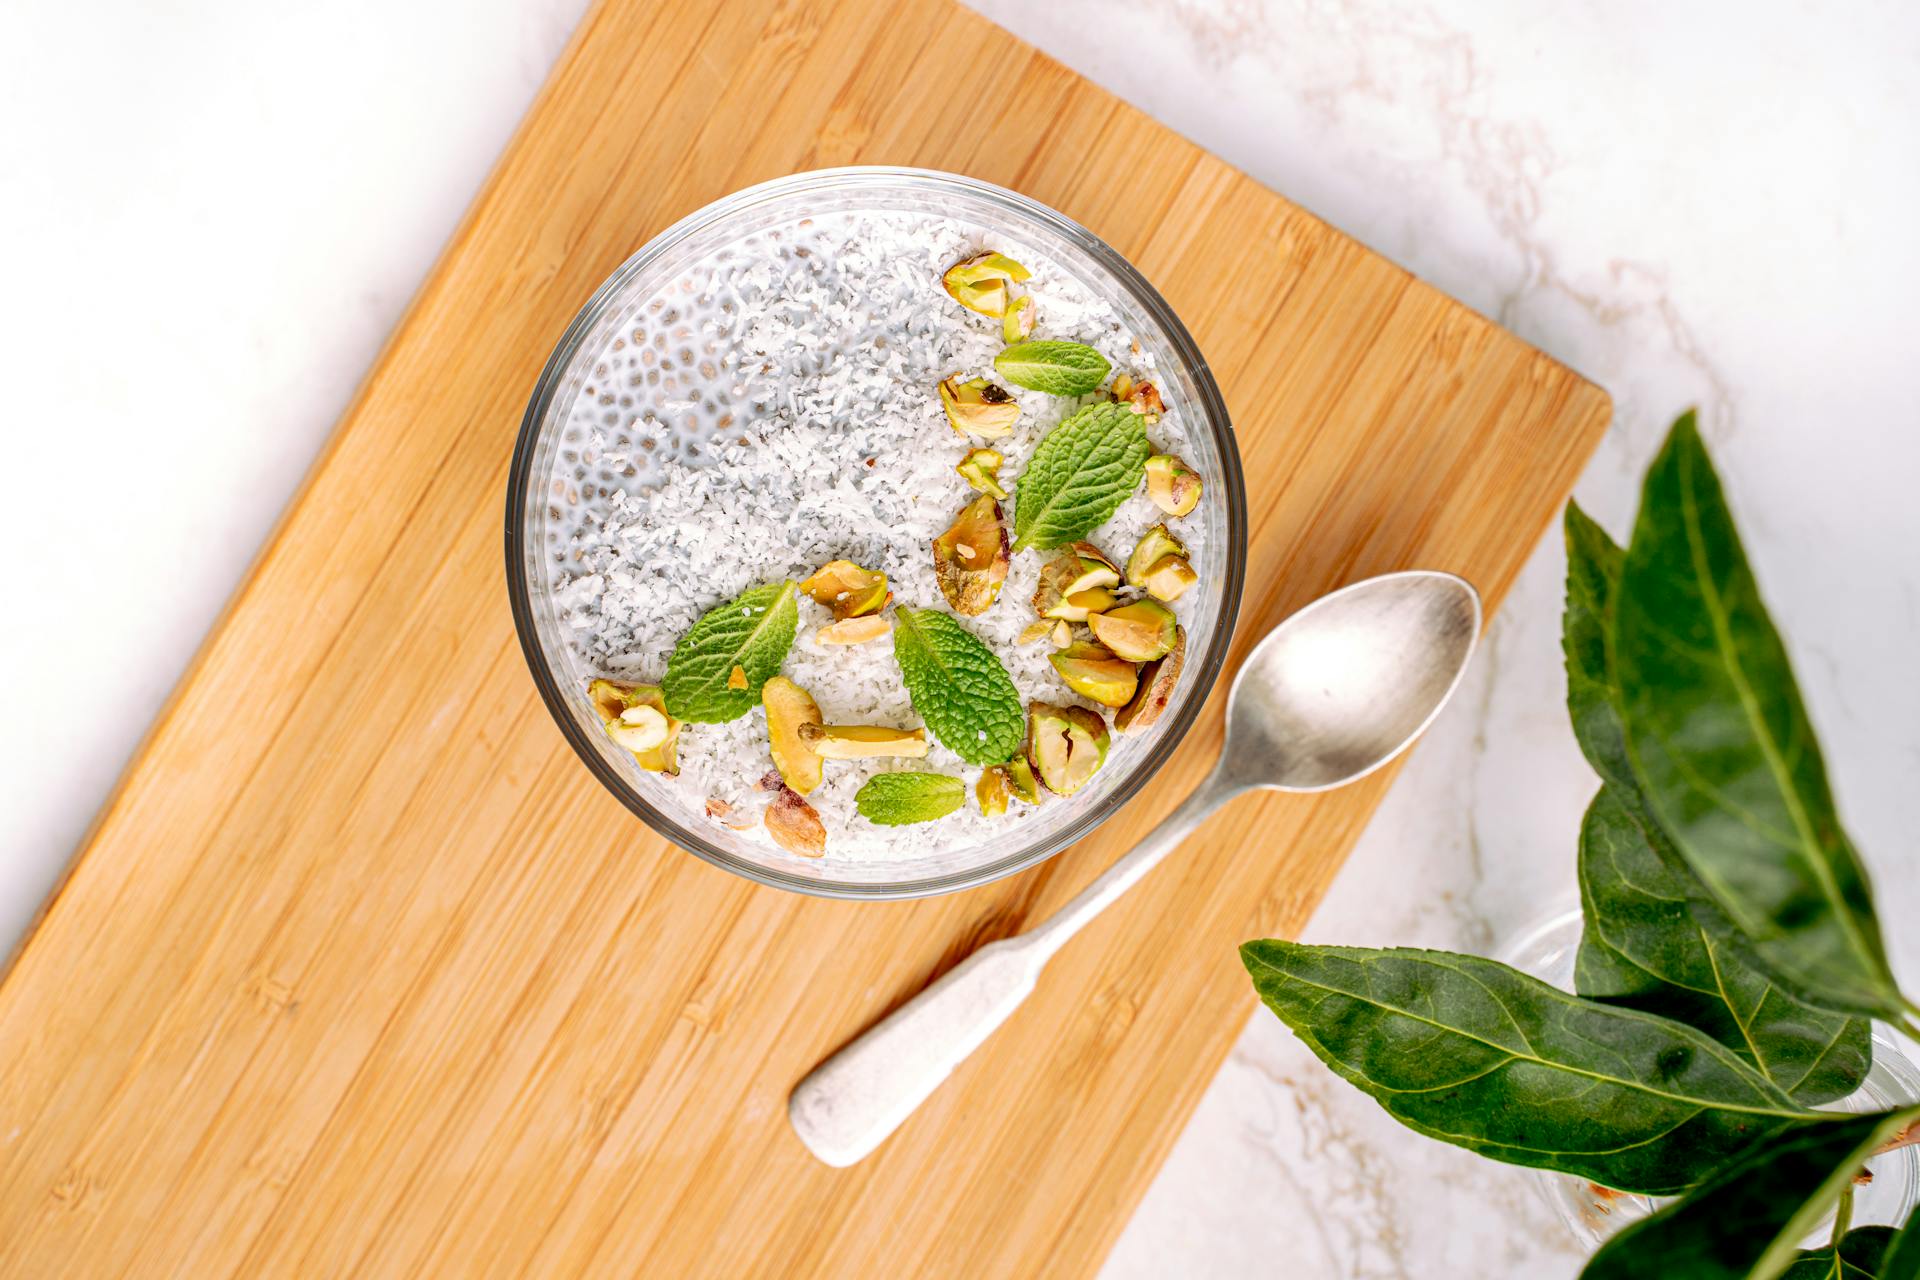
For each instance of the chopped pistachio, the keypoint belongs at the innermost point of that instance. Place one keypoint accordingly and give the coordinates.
(1034, 631)
(992, 790)
(860, 741)
(980, 283)
(1095, 671)
(1172, 484)
(794, 825)
(988, 297)
(613, 700)
(1080, 567)
(1089, 730)
(1049, 603)
(723, 813)
(977, 407)
(1074, 583)
(847, 589)
(853, 630)
(1062, 634)
(1169, 578)
(981, 468)
(1065, 745)
(639, 728)
(1139, 632)
(1157, 681)
(1097, 569)
(970, 559)
(1017, 324)
(790, 713)
(1122, 388)
(1145, 398)
(1020, 780)
(1154, 544)
(737, 678)
(1049, 747)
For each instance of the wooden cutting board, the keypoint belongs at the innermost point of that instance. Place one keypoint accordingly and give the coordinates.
(360, 974)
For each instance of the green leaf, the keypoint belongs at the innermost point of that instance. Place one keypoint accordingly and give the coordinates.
(1644, 948)
(1593, 579)
(896, 799)
(1057, 368)
(1722, 746)
(958, 686)
(1593, 704)
(1601, 970)
(1480, 1055)
(1080, 474)
(1593, 574)
(1861, 1255)
(752, 632)
(1902, 1260)
(1747, 1221)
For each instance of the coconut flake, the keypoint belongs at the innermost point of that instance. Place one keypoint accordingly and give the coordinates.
(834, 446)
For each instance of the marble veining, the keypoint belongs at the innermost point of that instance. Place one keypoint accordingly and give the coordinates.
(1688, 212)
(1687, 206)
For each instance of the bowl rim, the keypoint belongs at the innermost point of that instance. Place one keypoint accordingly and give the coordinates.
(1213, 411)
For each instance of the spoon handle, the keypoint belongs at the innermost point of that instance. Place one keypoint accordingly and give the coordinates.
(850, 1103)
(1132, 866)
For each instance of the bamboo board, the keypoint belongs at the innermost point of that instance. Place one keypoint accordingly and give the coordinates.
(367, 981)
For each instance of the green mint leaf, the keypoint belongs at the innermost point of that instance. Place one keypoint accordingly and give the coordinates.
(1644, 948)
(1080, 474)
(1480, 1055)
(752, 632)
(1749, 1218)
(1057, 368)
(958, 686)
(1722, 746)
(896, 799)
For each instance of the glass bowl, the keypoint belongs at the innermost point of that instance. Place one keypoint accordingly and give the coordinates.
(552, 468)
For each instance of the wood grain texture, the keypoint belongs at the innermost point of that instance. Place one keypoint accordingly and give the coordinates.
(354, 978)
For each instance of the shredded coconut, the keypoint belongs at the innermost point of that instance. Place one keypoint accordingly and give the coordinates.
(773, 408)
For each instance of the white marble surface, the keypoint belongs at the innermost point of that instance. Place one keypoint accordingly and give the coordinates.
(216, 212)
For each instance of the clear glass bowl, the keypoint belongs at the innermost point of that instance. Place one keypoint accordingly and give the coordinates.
(535, 533)
(1547, 951)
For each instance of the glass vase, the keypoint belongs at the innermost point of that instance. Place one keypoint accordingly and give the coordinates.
(1593, 1213)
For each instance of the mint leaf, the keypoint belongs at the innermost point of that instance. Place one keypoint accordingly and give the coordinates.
(1057, 368)
(1080, 474)
(752, 632)
(958, 686)
(896, 799)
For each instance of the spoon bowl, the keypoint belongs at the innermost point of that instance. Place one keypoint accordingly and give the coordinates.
(1333, 693)
(1347, 683)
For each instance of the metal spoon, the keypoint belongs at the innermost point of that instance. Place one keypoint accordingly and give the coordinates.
(1331, 694)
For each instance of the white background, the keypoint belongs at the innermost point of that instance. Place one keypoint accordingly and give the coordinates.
(213, 214)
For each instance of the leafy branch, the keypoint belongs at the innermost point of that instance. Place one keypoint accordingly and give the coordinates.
(1731, 960)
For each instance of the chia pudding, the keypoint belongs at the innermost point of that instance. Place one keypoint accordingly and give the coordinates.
(772, 408)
